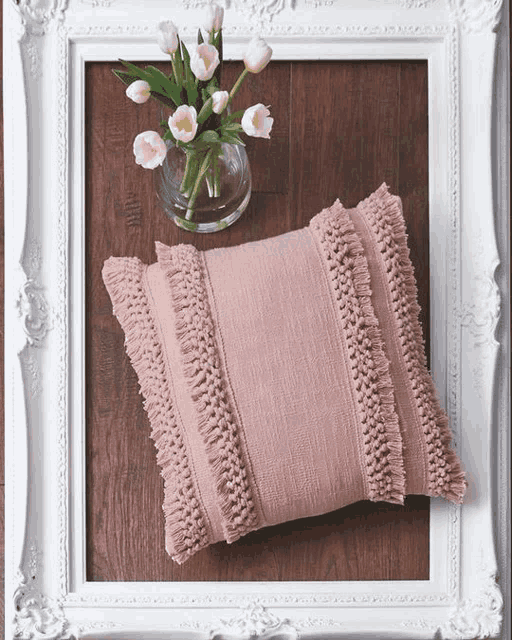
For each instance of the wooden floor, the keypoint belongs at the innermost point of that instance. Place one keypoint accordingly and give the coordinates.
(340, 130)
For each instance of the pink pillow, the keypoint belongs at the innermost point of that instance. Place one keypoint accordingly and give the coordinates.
(272, 393)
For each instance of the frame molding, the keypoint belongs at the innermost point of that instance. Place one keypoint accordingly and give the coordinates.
(46, 46)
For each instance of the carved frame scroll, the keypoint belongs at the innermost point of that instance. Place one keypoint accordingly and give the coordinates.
(46, 46)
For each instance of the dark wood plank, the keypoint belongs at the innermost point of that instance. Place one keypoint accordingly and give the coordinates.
(341, 136)
(346, 121)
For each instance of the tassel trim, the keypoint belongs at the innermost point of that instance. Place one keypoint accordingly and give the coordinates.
(209, 389)
(349, 279)
(383, 210)
(185, 528)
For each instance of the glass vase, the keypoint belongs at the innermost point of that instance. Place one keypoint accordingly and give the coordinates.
(223, 195)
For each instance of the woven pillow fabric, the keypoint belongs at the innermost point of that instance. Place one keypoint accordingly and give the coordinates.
(277, 385)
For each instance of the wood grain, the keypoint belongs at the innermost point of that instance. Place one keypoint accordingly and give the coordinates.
(340, 130)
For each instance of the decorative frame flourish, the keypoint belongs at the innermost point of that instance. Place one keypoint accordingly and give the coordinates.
(46, 46)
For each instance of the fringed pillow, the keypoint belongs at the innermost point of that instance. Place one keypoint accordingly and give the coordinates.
(278, 386)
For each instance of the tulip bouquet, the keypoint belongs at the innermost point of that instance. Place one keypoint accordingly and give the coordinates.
(201, 120)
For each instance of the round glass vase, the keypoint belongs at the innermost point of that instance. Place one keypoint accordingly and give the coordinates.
(211, 212)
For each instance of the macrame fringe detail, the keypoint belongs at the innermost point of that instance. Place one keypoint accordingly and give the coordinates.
(184, 523)
(349, 279)
(384, 212)
(202, 367)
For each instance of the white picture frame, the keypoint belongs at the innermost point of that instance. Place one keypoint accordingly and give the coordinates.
(46, 46)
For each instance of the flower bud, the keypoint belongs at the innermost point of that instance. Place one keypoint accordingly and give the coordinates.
(167, 36)
(256, 123)
(139, 91)
(204, 60)
(183, 123)
(257, 55)
(214, 18)
(149, 149)
(219, 101)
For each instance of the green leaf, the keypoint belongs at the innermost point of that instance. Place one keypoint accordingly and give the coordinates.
(210, 136)
(192, 95)
(124, 76)
(188, 75)
(232, 127)
(234, 116)
(212, 87)
(163, 99)
(199, 145)
(205, 112)
(127, 79)
(200, 38)
(168, 135)
(159, 82)
(218, 71)
(137, 71)
(160, 78)
(178, 65)
(232, 138)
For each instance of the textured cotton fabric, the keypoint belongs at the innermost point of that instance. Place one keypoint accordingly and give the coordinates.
(282, 378)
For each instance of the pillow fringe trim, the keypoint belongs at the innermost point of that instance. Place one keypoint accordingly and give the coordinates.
(202, 367)
(185, 529)
(343, 253)
(446, 477)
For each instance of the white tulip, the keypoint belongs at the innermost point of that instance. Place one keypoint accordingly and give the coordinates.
(204, 60)
(167, 36)
(257, 55)
(183, 123)
(139, 91)
(256, 121)
(219, 101)
(149, 149)
(214, 18)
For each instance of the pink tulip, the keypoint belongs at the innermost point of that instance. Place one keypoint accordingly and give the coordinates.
(257, 55)
(204, 60)
(183, 123)
(214, 18)
(256, 123)
(139, 91)
(167, 36)
(149, 149)
(219, 101)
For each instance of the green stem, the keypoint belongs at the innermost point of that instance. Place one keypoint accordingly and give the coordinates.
(206, 111)
(237, 85)
(190, 169)
(216, 177)
(174, 70)
(209, 182)
(197, 185)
